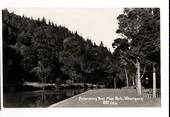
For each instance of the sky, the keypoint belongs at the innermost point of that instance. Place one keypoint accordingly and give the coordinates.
(97, 24)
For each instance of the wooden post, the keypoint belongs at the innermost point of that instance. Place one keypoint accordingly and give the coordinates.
(154, 82)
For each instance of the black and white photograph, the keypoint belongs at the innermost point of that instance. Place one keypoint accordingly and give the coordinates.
(81, 57)
(88, 58)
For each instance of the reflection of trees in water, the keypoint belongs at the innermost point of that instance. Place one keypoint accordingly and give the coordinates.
(38, 98)
(45, 99)
(70, 93)
(41, 100)
(36, 101)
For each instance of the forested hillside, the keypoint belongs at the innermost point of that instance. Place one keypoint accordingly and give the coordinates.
(42, 51)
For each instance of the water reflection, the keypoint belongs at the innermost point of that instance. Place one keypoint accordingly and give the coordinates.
(38, 98)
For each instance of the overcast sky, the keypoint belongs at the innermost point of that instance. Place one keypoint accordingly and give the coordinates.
(98, 24)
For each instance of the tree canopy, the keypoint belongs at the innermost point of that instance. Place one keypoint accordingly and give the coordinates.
(140, 42)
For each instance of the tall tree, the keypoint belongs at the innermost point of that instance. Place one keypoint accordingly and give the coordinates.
(140, 30)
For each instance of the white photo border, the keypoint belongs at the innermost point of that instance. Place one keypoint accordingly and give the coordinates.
(99, 112)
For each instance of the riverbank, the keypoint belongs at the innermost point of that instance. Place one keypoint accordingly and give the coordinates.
(109, 98)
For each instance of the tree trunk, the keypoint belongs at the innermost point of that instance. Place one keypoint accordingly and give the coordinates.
(154, 82)
(127, 81)
(133, 82)
(114, 83)
(138, 79)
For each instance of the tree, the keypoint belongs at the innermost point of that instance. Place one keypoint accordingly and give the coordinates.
(71, 58)
(41, 72)
(139, 29)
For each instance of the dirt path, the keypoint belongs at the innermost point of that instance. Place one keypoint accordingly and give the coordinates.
(108, 98)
